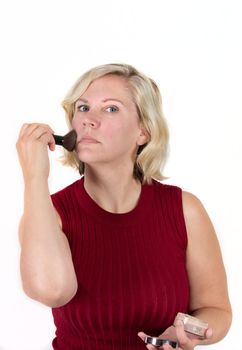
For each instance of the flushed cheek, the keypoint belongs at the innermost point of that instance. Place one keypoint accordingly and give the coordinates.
(122, 141)
(117, 130)
(74, 124)
(112, 133)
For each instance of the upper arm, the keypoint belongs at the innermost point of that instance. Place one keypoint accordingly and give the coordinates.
(207, 277)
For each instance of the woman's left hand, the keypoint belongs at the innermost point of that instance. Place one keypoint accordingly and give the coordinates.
(176, 333)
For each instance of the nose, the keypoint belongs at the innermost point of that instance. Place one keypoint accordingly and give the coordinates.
(89, 123)
(86, 121)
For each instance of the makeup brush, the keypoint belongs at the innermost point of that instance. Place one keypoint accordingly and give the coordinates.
(68, 141)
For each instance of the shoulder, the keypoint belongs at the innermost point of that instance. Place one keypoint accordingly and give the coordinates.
(63, 200)
(191, 203)
(192, 206)
(64, 203)
(165, 188)
(198, 222)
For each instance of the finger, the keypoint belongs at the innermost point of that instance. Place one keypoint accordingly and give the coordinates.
(167, 347)
(47, 139)
(183, 340)
(143, 335)
(28, 128)
(26, 131)
(40, 132)
(23, 129)
(209, 333)
(37, 127)
(151, 347)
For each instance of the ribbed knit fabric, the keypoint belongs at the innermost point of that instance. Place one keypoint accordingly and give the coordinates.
(131, 269)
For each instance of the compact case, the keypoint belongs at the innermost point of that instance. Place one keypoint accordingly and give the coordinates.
(159, 342)
(192, 324)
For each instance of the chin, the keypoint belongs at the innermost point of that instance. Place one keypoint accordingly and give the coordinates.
(88, 158)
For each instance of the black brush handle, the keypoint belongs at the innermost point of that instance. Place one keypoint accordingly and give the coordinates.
(58, 140)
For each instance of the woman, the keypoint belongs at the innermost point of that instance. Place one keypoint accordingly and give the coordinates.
(117, 254)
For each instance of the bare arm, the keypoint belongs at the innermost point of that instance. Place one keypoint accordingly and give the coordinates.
(209, 299)
(46, 266)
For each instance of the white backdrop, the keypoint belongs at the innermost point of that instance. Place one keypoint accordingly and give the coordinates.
(193, 51)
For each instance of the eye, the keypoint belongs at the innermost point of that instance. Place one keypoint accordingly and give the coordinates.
(112, 109)
(83, 108)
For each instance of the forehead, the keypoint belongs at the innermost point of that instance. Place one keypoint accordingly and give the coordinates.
(109, 85)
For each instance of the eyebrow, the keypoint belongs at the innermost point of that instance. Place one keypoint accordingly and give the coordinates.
(105, 100)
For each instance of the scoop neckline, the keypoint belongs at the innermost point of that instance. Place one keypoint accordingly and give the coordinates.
(138, 213)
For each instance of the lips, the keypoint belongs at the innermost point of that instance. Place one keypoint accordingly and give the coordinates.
(87, 139)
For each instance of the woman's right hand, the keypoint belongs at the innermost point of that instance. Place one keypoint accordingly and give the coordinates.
(33, 152)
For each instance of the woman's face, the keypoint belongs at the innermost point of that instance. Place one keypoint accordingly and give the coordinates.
(107, 124)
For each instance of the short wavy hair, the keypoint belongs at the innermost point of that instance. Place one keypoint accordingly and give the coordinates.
(151, 157)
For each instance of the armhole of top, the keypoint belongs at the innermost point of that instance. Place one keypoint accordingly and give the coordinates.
(60, 213)
(59, 219)
(172, 195)
(178, 215)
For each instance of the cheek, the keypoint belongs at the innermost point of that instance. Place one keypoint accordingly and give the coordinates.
(121, 137)
(74, 123)
(117, 133)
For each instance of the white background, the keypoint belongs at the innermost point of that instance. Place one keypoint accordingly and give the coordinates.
(192, 49)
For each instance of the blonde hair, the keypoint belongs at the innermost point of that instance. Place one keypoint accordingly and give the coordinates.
(146, 96)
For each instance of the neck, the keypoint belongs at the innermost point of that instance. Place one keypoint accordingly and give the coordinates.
(114, 191)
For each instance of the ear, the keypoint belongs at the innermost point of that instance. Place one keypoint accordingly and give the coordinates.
(143, 137)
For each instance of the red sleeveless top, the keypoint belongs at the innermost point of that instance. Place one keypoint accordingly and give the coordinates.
(131, 269)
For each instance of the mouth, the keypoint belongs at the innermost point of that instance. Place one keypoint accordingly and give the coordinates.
(88, 140)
